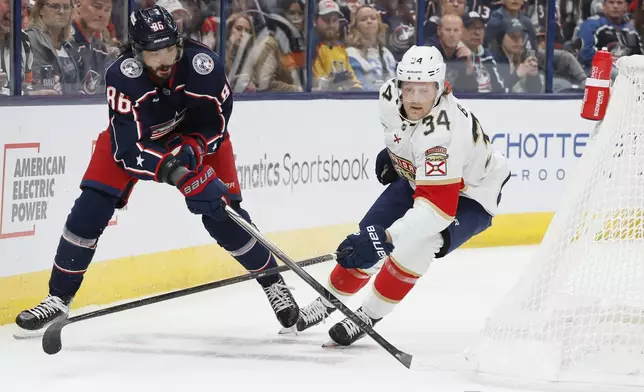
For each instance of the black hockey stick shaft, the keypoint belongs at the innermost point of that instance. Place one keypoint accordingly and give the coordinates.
(52, 340)
(401, 356)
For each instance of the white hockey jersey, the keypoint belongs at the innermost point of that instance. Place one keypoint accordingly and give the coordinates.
(444, 155)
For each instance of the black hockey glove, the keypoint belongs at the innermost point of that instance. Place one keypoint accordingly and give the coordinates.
(205, 193)
(366, 248)
(385, 171)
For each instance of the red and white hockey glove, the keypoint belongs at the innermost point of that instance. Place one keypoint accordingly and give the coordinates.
(205, 193)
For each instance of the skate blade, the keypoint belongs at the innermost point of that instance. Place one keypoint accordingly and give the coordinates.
(23, 334)
(289, 331)
(333, 345)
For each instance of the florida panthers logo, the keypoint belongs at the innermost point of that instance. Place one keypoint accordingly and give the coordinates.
(404, 168)
(436, 161)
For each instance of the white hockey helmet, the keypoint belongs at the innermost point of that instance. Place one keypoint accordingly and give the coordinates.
(422, 64)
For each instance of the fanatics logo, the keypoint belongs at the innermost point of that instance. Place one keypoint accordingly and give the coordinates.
(436, 162)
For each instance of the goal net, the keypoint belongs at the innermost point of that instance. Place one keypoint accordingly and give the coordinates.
(577, 312)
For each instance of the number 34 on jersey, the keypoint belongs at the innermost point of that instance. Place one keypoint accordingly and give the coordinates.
(446, 146)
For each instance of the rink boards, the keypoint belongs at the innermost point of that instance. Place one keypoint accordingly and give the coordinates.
(307, 174)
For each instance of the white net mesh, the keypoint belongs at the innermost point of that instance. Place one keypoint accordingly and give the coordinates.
(577, 312)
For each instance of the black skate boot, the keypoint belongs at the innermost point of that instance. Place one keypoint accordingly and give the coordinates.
(33, 322)
(311, 315)
(346, 332)
(283, 303)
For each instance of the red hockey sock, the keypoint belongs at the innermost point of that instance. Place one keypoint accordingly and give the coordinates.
(393, 283)
(347, 281)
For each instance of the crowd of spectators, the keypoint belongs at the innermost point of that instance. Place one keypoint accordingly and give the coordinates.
(488, 45)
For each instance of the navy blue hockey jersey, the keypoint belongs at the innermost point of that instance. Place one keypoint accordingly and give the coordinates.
(196, 101)
(484, 7)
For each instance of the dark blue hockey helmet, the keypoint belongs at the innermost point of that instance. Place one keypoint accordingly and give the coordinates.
(153, 29)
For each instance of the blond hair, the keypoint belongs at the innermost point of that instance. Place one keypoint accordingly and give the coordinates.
(355, 37)
(35, 20)
(232, 20)
(231, 50)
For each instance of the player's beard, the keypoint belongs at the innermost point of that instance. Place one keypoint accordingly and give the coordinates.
(163, 72)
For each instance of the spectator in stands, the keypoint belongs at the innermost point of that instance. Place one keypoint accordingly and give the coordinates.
(457, 56)
(638, 20)
(179, 13)
(266, 71)
(400, 17)
(570, 17)
(284, 28)
(484, 7)
(447, 7)
(370, 59)
(536, 11)
(198, 21)
(240, 38)
(511, 10)
(5, 46)
(6, 61)
(49, 34)
(349, 8)
(24, 13)
(569, 74)
(610, 29)
(94, 44)
(270, 68)
(331, 67)
(517, 65)
(487, 75)
(253, 9)
(293, 11)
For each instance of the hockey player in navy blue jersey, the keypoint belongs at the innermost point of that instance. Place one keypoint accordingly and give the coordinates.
(169, 106)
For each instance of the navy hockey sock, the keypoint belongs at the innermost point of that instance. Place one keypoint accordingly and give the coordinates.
(244, 248)
(85, 224)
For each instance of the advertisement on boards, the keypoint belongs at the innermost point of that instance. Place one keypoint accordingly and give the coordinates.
(301, 164)
(29, 175)
(315, 166)
(543, 141)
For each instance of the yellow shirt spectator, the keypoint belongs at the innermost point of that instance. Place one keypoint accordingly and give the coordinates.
(332, 63)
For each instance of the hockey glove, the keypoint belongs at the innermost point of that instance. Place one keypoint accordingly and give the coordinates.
(188, 150)
(366, 248)
(205, 193)
(385, 171)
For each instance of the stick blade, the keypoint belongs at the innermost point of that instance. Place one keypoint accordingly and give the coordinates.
(51, 340)
(404, 358)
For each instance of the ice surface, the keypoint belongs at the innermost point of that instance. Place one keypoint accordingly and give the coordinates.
(226, 340)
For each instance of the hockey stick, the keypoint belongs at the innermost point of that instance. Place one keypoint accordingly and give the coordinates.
(52, 341)
(401, 356)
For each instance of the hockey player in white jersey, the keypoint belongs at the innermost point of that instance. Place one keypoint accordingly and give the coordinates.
(444, 185)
